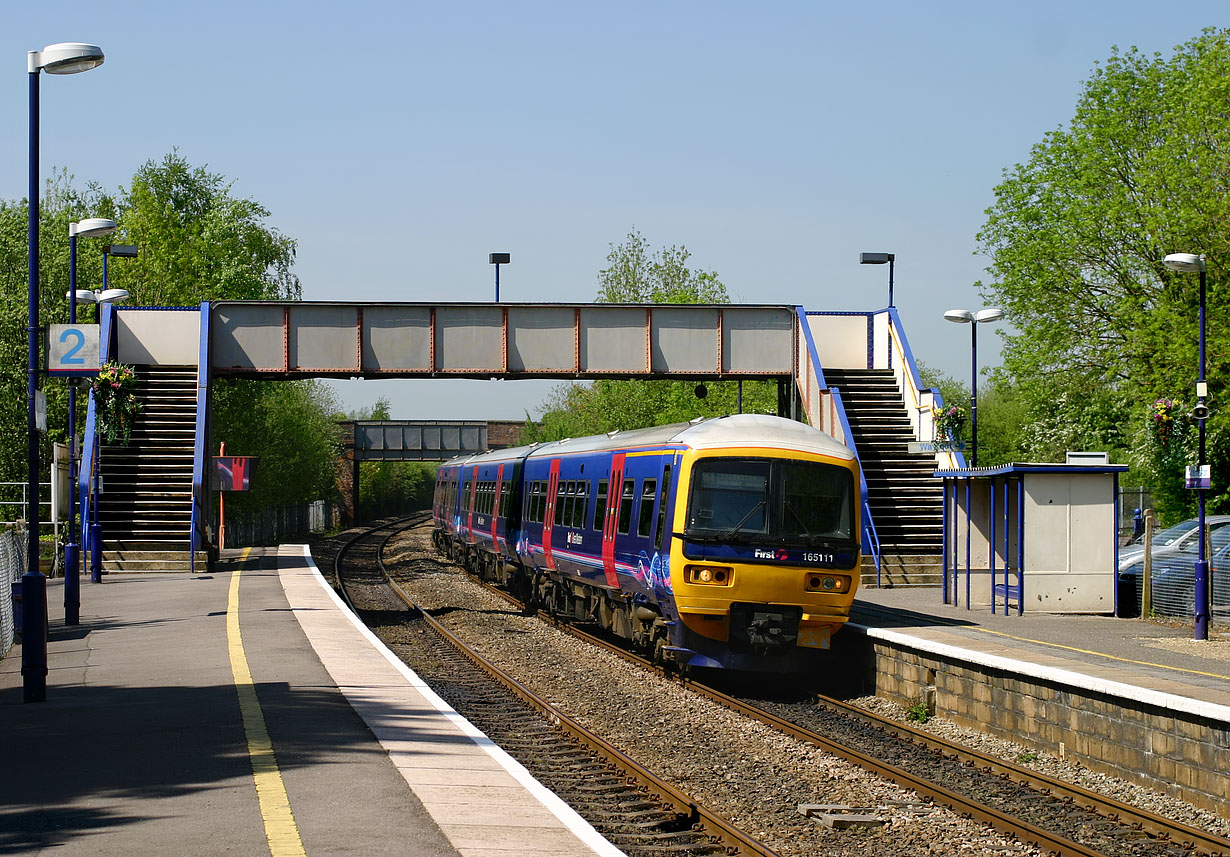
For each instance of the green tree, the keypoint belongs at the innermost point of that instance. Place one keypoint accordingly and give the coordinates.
(289, 426)
(637, 274)
(1076, 236)
(197, 242)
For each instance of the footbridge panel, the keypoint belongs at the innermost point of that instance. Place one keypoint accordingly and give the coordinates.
(483, 340)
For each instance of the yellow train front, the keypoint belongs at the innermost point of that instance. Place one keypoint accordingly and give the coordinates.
(764, 561)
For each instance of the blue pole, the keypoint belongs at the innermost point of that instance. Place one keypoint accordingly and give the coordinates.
(33, 583)
(95, 526)
(1201, 575)
(72, 551)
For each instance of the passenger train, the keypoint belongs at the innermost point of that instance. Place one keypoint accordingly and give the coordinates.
(728, 543)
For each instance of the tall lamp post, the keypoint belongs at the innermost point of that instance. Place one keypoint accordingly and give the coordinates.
(89, 228)
(880, 259)
(973, 319)
(499, 259)
(60, 58)
(1195, 263)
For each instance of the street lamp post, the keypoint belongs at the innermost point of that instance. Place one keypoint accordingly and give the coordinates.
(499, 259)
(90, 228)
(60, 58)
(880, 259)
(1190, 263)
(973, 319)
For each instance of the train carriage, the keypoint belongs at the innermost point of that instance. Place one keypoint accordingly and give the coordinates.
(728, 543)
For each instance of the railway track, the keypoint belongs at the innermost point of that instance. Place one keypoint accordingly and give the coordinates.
(637, 811)
(1057, 817)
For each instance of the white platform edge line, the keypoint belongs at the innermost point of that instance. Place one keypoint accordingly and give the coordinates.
(1168, 701)
(581, 828)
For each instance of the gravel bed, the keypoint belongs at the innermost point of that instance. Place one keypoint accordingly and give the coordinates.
(752, 774)
(1053, 766)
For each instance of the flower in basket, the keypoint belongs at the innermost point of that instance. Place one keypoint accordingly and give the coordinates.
(949, 421)
(115, 402)
(1165, 429)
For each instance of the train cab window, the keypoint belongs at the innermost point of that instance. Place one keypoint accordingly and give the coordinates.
(625, 505)
(600, 506)
(649, 493)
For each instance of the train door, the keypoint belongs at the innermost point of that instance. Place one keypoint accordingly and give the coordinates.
(610, 524)
(473, 492)
(548, 515)
(495, 509)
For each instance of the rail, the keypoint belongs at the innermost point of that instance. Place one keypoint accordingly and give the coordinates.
(687, 811)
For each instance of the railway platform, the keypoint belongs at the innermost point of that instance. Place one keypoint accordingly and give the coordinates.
(244, 711)
(1130, 697)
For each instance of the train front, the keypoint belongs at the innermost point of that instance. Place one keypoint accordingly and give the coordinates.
(765, 562)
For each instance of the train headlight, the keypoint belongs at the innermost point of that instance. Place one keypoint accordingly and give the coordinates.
(835, 583)
(709, 575)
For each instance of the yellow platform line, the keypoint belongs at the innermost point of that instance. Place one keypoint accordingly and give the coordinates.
(280, 828)
(1104, 655)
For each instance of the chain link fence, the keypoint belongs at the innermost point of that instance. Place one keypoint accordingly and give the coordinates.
(12, 567)
(1131, 500)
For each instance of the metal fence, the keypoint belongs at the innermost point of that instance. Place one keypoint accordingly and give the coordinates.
(1174, 596)
(1131, 499)
(12, 567)
(277, 524)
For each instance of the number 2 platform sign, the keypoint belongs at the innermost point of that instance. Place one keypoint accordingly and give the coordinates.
(72, 349)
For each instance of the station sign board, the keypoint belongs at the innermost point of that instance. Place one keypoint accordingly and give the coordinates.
(936, 446)
(72, 350)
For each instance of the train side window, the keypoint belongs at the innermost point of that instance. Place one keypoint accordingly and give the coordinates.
(649, 492)
(666, 491)
(563, 496)
(625, 505)
(580, 504)
(600, 506)
(531, 503)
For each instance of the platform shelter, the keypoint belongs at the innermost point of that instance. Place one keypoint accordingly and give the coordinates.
(1042, 537)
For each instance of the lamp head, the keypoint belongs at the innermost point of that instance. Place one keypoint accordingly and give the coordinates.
(65, 58)
(500, 258)
(113, 296)
(989, 314)
(1190, 262)
(84, 296)
(875, 258)
(959, 316)
(92, 227)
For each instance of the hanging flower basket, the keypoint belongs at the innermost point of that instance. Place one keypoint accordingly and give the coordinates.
(115, 402)
(949, 422)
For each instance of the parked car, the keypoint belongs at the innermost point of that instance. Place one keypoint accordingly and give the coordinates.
(1173, 577)
(1170, 540)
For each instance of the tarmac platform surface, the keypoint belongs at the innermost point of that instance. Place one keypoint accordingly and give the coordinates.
(248, 712)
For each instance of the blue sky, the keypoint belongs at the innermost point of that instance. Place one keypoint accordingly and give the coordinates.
(401, 142)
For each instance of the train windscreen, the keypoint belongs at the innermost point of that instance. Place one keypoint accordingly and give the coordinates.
(776, 500)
